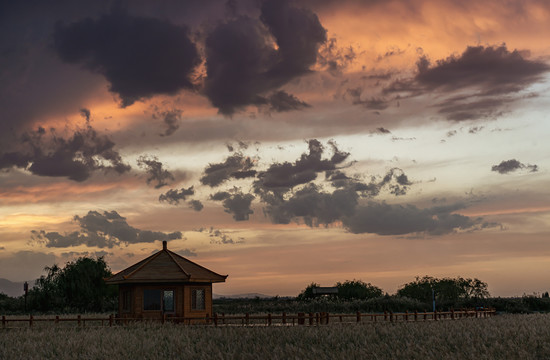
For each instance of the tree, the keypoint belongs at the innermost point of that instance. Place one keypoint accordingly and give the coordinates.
(446, 290)
(307, 293)
(357, 289)
(78, 286)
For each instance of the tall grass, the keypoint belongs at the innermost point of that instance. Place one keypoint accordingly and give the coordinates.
(500, 337)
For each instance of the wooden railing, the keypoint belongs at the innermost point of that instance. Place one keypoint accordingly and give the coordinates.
(284, 319)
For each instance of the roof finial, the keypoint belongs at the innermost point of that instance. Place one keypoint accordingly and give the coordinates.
(164, 245)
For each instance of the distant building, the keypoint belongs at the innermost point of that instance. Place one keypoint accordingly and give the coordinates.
(165, 283)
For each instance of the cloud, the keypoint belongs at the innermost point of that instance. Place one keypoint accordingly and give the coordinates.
(171, 120)
(242, 63)
(281, 101)
(283, 176)
(508, 166)
(139, 56)
(107, 229)
(386, 219)
(75, 157)
(196, 205)
(236, 166)
(236, 203)
(173, 196)
(154, 169)
(334, 58)
(492, 76)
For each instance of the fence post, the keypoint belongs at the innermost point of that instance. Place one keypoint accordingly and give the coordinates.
(56, 319)
(269, 319)
(310, 319)
(30, 320)
(247, 318)
(284, 318)
(110, 320)
(452, 314)
(385, 315)
(215, 319)
(317, 318)
(415, 315)
(358, 316)
(223, 318)
(301, 318)
(78, 320)
(406, 315)
(391, 316)
(328, 317)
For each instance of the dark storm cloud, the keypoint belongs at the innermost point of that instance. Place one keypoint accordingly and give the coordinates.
(155, 171)
(281, 101)
(235, 203)
(492, 74)
(236, 166)
(494, 70)
(75, 157)
(508, 166)
(283, 176)
(173, 196)
(312, 205)
(139, 56)
(107, 229)
(386, 219)
(243, 65)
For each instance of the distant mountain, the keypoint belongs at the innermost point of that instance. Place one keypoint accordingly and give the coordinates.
(242, 296)
(13, 289)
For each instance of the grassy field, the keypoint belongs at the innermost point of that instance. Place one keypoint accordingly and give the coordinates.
(500, 337)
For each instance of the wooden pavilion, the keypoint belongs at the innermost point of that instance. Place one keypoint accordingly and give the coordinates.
(165, 284)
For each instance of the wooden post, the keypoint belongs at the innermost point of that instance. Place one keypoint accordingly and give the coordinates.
(415, 315)
(425, 315)
(406, 315)
(328, 317)
(385, 315)
(301, 318)
(215, 319)
(247, 318)
(110, 320)
(78, 320)
(284, 318)
(56, 319)
(30, 320)
(310, 319)
(317, 318)
(358, 316)
(223, 318)
(391, 316)
(452, 314)
(269, 319)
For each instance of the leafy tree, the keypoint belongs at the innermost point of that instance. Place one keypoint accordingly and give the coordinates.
(307, 293)
(357, 289)
(447, 290)
(78, 286)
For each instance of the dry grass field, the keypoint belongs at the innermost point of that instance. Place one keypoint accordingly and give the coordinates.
(500, 337)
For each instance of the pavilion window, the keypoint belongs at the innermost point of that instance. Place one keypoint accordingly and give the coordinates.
(168, 300)
(198, 299)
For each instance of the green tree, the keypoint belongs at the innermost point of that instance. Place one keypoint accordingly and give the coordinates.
(357, 289)
(447, 290)
(78, 286)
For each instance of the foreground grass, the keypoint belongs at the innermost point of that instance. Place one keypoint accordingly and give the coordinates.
(500, 337)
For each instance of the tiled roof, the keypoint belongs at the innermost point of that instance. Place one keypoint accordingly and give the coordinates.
(165, 266)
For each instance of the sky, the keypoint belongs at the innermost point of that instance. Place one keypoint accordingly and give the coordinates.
(279, 142)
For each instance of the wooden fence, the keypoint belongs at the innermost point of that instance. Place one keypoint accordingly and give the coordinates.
(284, 319)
